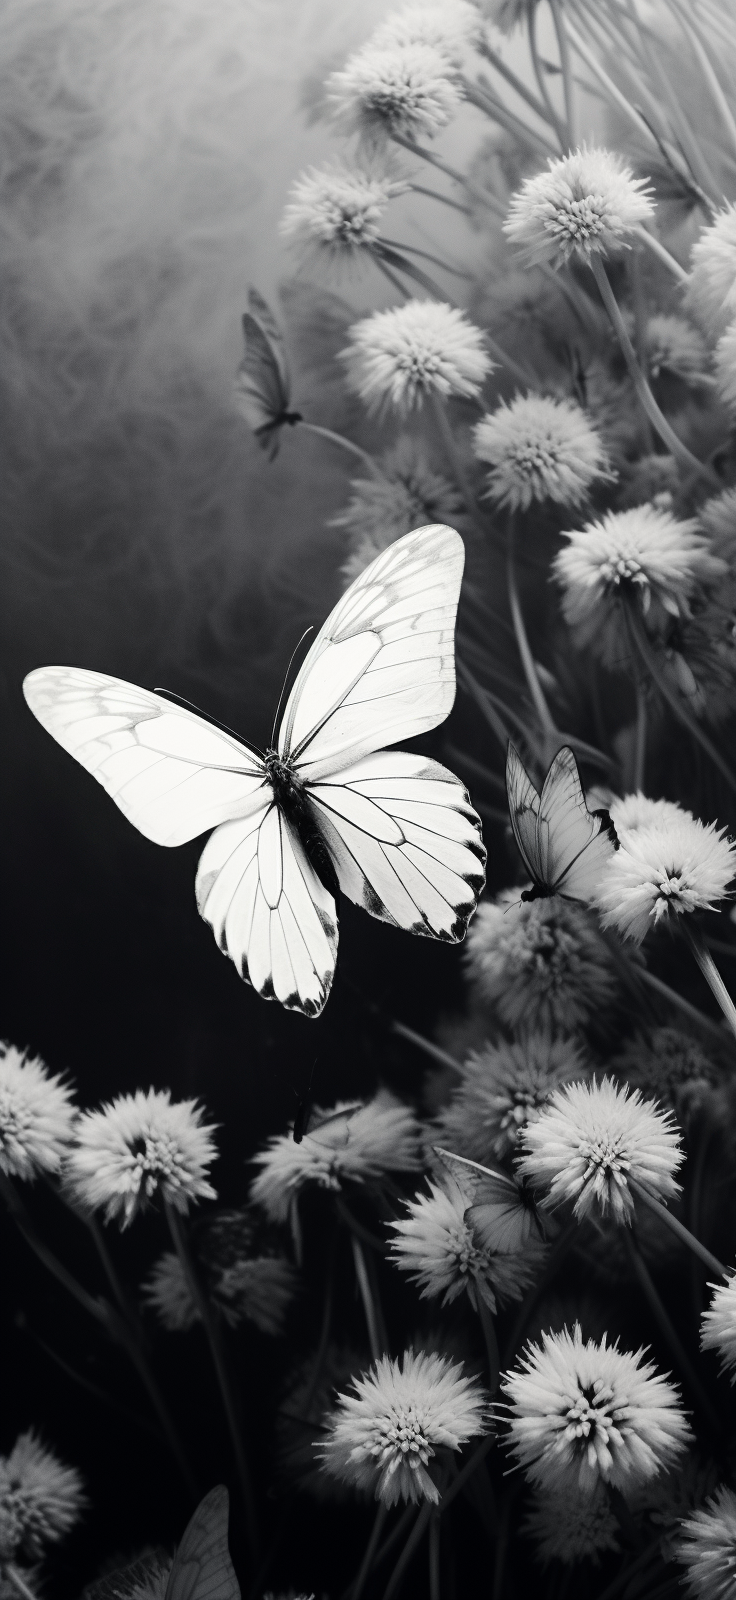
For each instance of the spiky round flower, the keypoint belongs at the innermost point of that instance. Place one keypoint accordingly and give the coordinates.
(257, 1289)
(672, 1066)
(585, 203)
(643, 556)
(502, 1087)
(409, 494)
(674, 346)
(137, 1147)
(707, 1548)
(337, 208)
(571, 1528)
(539, 449)
(403, 1417)
(583, 1413)
(450, 27)
(662, 871)
(717, 518)
(436, 1245)
(541, 962)
(718, 1325)
(632, 811)
(593, 1140)
(409, 90)
(725, 365)
(36, 1115)
(399, 357)
(711, 291)
(344, 1145)
(40, 1499)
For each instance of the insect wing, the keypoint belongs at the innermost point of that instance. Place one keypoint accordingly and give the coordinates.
(202, 1568)
(171, 773)
(574, 841)
(496, 1212)
(262, 385)
(328, 1123)
(523, 802)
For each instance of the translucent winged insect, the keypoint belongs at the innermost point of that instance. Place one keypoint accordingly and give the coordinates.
(331, 1128)
(202, 1569)
(501, 1209)
(564, 846)
(327, 807)
(263, 383)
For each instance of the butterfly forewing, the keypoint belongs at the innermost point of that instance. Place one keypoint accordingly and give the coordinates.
(524, 811)
(262, 385)
(497, 1213)
(564, 845)
(202, 1568)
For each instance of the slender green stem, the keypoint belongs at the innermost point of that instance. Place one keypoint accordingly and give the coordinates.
(541, 107)
(552, 114)
(640, 741)
(657, 249)
(371, 1319)
(412, 1544)
(218, 1361)
(491, 1343)
(710, 971)
(432, 1050)
(472, 1464)
(612, 89)
(380, 258)
(343, 444)
(434, 1558)
(18, 1582)
(662, 1318)
(456, 463)
(643, 392)
(678, 1228)
(473, 688)
(434, 194)
(563, 46)
(692, 34)
(674, 998)
(633, 1567)
(527, 660)
(395, 1536)
(488, 102)
(673, 700)
(413, 249)
(356, 1588)
(482, 197)
(357, 1228)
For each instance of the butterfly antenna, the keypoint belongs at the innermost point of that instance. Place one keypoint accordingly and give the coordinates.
(286, 680)
(188, 705)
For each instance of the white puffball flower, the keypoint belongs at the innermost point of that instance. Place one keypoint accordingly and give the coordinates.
(257, 1289)
(585, 203)
(341, 1146)
(725, 365)
(36, 1115)
(718, 1325)
(707, 1548)
(541, 963)
(592, 1140)
(711, 290)
(539, 449)
(645, 555)
(400, 356)
(631, 811)
(571, 1528)
(664, 870)
(406, 90)
(399, 1418)
(674, 345)
(450, 27)
(436, 1245)
(337, 208)
(583, 1413)
(40, 1499)
(137, 1147)
(502, 1087)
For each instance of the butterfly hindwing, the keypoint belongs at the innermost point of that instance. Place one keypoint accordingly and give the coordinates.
(202, 1568)
(497, 1214)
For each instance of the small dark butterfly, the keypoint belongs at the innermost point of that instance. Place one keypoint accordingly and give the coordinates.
(263, 383)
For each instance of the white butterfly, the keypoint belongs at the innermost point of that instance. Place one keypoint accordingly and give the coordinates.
(564, 845)
(397, 831)
(501, 1210)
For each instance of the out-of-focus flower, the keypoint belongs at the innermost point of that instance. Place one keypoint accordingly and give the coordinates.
(725, 365)
(410, 494)
(342, 1146)
(711, 291)
(718, 1325)
(145, 1578)
(645, 555)
(449, 27)
(674, 1495)
(436, 1245)
(409, 90)
(671, 1066)
(40, 1499)
(717, 518)
(542, 963)
(664, 870)
(304, 1409)
(707, 1548)
(539, 449)
(582, 1413)
(675, 346)
(256, 1289)
(585, 203)
(631, 811)
(36, 1115)
(568, 1527)
(399, 357)
(400, 1417)
(593, 1139)
(137, 1147)
(502, 1087)
(337, 208)
(651, 477)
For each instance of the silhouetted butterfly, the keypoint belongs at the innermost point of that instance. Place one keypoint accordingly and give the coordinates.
(263, 383)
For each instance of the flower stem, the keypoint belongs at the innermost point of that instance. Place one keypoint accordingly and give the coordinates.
(371, 1318)
(343, 444)
(650, 661)
(356, 1588)
(483, 197)
(456, 464)
(551, 112)
(563, 46)
(487, 101)
(19, 1583)
(661, 253)
(434, 1558)
(472, 1464)
(218, 1361)
(640, 743)
(664, 1322)
(426, 1045)
(710, 971)
(412, 1543)
(674, 998)
(434, 194)
(491, 1342)
(678, 1228)
(639, 1562)
(643, 391)
(527, 660)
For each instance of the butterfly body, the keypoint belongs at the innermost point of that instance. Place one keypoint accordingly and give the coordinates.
(563, 845)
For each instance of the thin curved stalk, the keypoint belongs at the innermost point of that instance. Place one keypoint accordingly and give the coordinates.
(718, 97)
(356, 1588)
(491, 1343)
(640, 740)
(412, 1544)
(482, 196)
(710, 971)
(343, 444)
(706, 1024)
(552, 113)
(382, 264)
(413, 249)
(434, 1558)
(18, 1582)
(434, 1051)
(678, 1228)
(527, 660)
(673, 701)
(662, 1318)
(455, 462)
(612, 89)
(472, 1464)
(661, 252)
(371, 1318)
(218, 1361)
(434, 194)
(541, 108)
(563, 46)
(487, 101)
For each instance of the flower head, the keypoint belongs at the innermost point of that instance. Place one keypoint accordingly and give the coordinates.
(643, 556)
(502, 1088)
(568, 1527)
(138, 1146)
(437, 1246)
(675, 346)
(670, 1065)
(718, 1327)
(662, 871)
(337, 208)
(541, 962)
(583, 1413)
(632, 811)
(593, 1140)
(40, 1499)
(585, 203)
(449, 27)
(539, 449)
(36, 1115)
(708, 1547)
(409, 90)
(257, 1289)
(400, 1418)
(398, 357)
(345, 1145)
(409, 494)
(711, 291)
